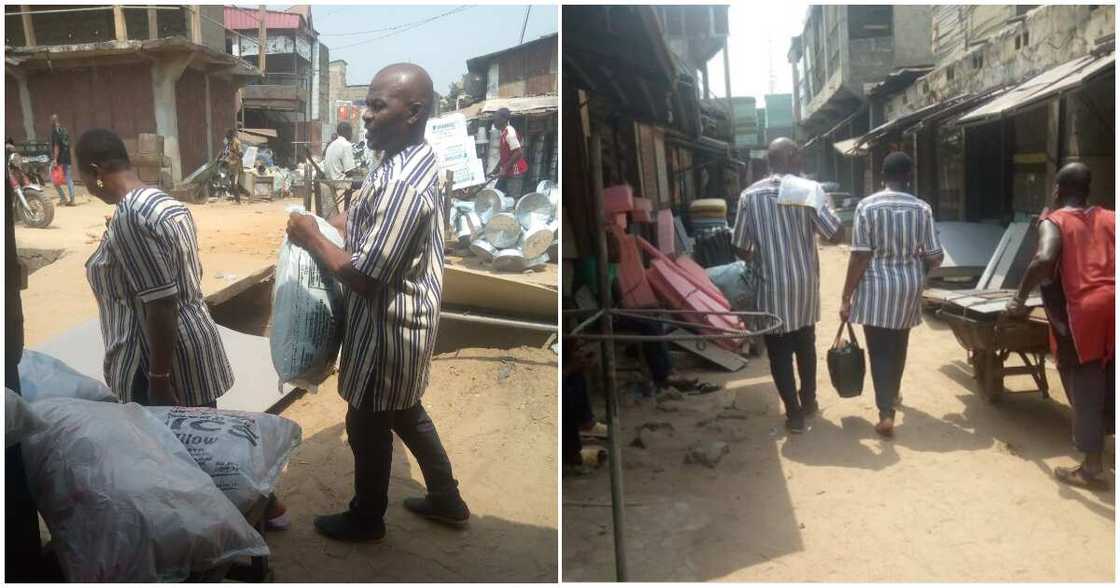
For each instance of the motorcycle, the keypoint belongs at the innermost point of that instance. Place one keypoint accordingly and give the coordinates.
(32, 207)
(221, 180)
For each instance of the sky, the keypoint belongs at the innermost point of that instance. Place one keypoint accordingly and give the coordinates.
(441, 46)
(758, 44)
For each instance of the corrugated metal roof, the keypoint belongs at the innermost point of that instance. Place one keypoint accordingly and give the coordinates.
(1048, 83)
(240, 19)
(517, 106)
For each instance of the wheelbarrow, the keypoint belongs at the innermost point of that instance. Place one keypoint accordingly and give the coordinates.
(992, 340)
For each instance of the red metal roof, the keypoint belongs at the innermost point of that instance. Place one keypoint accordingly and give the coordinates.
(241, 19)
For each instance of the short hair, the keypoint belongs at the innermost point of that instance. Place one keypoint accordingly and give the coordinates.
(103, 148)
(1074, 177)
(344, 129)
(504, 112)
(897, 165)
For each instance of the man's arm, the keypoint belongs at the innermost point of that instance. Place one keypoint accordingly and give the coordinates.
(1041, 268)
(304, 231)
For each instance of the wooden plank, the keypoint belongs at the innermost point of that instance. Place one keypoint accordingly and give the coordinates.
(120, 29)
(153, 23)
(497, 294)
(710, 351)
(28, 26)
(229, 292)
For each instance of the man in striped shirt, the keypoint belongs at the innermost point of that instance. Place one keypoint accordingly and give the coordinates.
(894, 246)
(781, 240)
(392, 273)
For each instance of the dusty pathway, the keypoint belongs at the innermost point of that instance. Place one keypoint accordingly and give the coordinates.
(964, 492)
(496, 411)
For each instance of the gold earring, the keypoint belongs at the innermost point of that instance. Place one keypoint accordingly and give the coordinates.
(100, 184)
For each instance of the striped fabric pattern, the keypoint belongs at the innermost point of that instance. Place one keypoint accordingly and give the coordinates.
(898, 229)
(394, 234)
(150, 252)
(785, 249)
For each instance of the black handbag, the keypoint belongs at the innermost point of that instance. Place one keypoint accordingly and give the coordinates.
(846, 365)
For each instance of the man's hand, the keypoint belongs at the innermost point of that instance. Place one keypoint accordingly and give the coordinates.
(1017, 308)
(302, 229)
(845, 310)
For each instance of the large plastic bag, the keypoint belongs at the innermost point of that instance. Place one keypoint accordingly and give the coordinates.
(244, 452)
(738, 283)
(123, 499)
(20, 421)
(306, 314)
(42, 376)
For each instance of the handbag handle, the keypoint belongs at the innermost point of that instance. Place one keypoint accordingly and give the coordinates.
(840, 332)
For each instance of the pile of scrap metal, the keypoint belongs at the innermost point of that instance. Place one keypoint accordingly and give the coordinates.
(513, 236)
(965, 245)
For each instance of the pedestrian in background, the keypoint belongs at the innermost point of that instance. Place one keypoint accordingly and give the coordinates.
(511, 166)
(233, 154)
(781, 240)
(60, 156)
(1076, 266)
(894, 246)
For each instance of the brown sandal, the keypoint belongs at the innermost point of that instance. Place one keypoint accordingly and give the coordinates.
(1077, 477)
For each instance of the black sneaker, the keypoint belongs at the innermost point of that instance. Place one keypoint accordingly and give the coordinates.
(452, 512)
(796, 424)
(346, 526)
(810, 409)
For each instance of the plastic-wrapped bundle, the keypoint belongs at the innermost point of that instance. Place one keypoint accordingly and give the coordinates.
(306, 313)
(20, 421)
(123, 499)
(42, 376)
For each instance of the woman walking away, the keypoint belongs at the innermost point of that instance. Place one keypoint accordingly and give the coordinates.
(162, 347)
(894, 246)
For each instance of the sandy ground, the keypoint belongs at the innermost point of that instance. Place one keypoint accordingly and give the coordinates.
(495, 410)
(963, 493)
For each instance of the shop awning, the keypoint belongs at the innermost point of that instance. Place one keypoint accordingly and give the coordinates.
(1049, 83)
(901, 122)
(850, 147)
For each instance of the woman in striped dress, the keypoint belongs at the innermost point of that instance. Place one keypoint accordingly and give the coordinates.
(162, 347)
(894, 246)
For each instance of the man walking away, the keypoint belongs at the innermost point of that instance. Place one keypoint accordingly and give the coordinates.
(60, 155)
(338, 163)
(1076, 266)
(392, 267)
(783, 239)
(894, 246)
(511, 165)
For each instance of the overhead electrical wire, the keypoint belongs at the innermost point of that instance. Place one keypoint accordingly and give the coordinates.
(395, 30)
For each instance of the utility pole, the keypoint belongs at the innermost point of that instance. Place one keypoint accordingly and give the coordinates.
(525, 24)
(727, 87)
(262, 38)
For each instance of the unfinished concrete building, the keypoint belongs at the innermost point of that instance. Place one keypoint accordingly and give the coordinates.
(292, 98)
(156, 69)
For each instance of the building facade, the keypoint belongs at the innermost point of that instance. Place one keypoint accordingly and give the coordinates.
(155, 69)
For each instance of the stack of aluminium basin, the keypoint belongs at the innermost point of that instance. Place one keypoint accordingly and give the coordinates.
(514, 235)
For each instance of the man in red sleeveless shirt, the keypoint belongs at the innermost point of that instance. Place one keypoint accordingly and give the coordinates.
(511, 166)
(1076, 267)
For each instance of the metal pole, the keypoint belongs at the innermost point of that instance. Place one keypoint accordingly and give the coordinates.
(501, 322)
(614, 427)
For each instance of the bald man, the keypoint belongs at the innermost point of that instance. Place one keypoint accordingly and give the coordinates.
(392, 267)
(1076, 266)
(781, 240)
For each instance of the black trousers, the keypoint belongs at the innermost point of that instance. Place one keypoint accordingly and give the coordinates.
(782, 349)
(371, 440)
(1091, 388)
(886, 352)
(577, 413)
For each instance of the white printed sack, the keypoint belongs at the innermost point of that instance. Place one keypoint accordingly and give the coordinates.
(306, 313)
(42, 376)
(243, 452)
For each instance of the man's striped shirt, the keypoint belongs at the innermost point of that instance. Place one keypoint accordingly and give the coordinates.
(394, 234)
(898, 229)
(150, 252)
(785, 250)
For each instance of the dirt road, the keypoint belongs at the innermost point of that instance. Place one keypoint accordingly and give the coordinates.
(964, 493)
(495, 409)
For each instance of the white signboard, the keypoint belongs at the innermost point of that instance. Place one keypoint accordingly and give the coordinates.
(455, 150)
(249, 158)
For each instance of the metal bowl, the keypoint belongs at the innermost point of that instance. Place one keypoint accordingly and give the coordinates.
(503, 230)
(535, 210)
(550, 189)
(536, 241)
(484, 250)
(509, 260)
(491, 201)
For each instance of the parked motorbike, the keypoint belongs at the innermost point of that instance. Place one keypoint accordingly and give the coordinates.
(32, 207)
